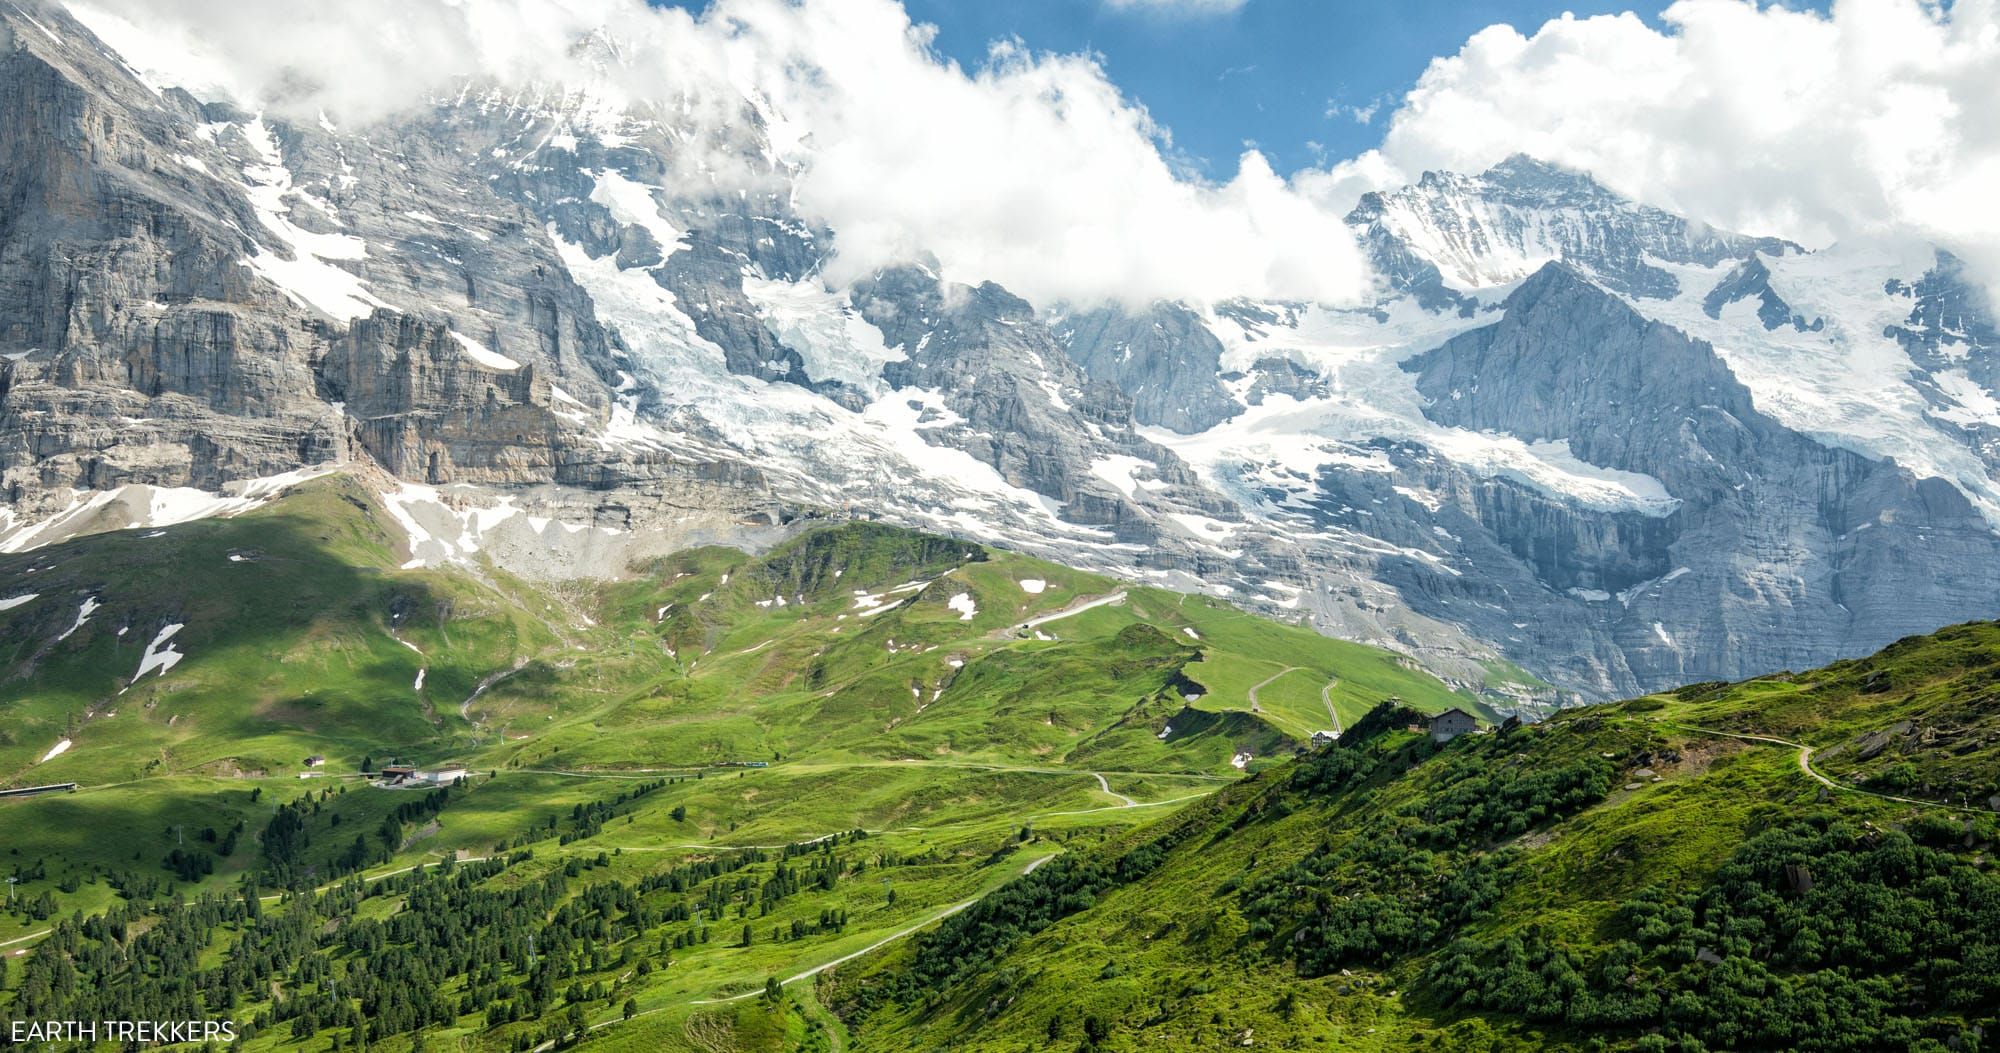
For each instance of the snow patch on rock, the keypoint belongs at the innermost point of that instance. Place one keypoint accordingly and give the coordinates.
(458, 526)
(83, 613)
(310, 276)
(1357, 354)
(483, 355)
(160, 654)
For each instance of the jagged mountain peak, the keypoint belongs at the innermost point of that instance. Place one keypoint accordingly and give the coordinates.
(1527, 170)
(529, 283)
(1554, 278)
(1527, 180)
(1450, 234)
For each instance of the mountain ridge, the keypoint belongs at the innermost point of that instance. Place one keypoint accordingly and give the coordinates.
(586, 325)
(1667, 872)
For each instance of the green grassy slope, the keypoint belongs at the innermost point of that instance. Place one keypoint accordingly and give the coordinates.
(291, 618)
(949, 715)
(1626, 877)
(300, 633)
(869, 643)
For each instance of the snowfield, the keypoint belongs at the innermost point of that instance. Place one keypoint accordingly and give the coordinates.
(483, 355)
(1371, 397)
(832, 338)
(307, 276)
(138, 505)
(160, 654)
(810, 444)
(461, 525)
(1847, 384)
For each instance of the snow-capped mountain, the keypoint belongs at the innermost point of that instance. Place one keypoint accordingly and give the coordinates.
(1455, 234)
(1579, 417)
(1576, 434)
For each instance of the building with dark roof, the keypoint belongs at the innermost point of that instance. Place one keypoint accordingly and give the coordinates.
(1452, 723)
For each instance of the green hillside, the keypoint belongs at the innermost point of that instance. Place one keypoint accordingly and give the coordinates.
(1712, 869)
(879, 790)
(724, 769)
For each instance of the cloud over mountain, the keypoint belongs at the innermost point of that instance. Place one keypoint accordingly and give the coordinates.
(1032, 170)
(1878, 119)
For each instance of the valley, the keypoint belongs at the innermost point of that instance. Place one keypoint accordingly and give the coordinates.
(874, 789)
(752, 526)
(858, 699)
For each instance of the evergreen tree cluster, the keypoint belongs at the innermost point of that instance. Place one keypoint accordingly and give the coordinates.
(530, 950)
(1403, 882)
(1817, 934)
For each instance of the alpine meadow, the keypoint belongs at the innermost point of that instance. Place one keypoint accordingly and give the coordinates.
(809, 526)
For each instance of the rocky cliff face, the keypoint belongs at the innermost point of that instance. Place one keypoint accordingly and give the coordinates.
(196, 295)
(1563, 440)
(1628, 449)
(137, 347)
(1164, 359)
(1777, 543)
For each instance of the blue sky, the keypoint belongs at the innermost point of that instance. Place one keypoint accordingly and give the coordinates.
(1268, 72)
(1292, 77)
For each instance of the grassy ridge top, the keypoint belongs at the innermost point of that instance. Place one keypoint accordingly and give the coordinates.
(295, 629)
(1665, 873)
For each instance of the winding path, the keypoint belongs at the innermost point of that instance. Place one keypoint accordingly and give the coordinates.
(365, 878)
(1326, 696)
(1261, 684)
(877, 945)
(1805, 766)
(465, 707)
(1073, 609)
(1122, 807)
(815, 970)
(1106, 787)
(24, 939)
(618, 775)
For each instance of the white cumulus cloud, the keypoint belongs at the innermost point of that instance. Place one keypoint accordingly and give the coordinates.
(1032, 170)
(1881, 118)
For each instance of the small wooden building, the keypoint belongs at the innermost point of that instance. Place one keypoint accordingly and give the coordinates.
(1452, 723)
